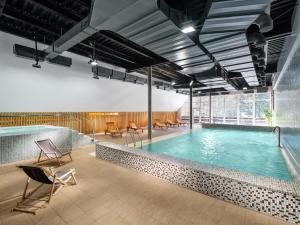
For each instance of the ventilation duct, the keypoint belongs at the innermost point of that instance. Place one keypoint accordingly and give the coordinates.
(264, 22)
(257, 39)
(224, 34)
(258, 53)
(29, 53)
(103, 15)
(99, 71)
(260, 63)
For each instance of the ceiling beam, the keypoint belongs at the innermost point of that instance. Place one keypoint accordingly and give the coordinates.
(51, 10)
(109, 52)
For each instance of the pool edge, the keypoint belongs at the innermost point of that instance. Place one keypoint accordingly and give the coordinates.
(279, 199)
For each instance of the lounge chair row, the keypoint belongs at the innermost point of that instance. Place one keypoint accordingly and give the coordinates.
(113, 130)
(168, 123)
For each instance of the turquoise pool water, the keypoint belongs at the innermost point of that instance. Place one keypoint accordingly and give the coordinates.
(7, 131)
(247, 151)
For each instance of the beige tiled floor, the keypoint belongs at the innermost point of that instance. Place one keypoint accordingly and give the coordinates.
(109, 194)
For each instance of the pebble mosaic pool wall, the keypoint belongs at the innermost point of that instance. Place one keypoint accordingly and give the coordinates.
(282, 202)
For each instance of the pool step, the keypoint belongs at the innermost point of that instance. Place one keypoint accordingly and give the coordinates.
(80, 139)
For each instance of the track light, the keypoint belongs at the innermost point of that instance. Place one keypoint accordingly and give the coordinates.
(93, 62)
(191, 83)
(188, 29)
(36, 64)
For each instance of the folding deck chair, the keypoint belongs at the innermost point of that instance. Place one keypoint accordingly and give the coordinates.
(48, 148)
(44, 176)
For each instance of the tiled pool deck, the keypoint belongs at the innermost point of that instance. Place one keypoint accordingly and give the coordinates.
(267, 195)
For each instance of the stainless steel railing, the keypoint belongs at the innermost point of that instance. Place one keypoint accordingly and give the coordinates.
(133, 135)
(278, 134)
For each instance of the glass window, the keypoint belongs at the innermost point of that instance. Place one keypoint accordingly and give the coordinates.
(226, 108)
(231, 102)
(185, 110)
(217, 108)
(246, 109)
(262, 104)
(204, 108)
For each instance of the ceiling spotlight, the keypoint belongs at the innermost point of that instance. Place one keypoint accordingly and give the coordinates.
(245, 88)
(94, 62)
(36, 64)
(191, 83)
(188, 29)
(173, 83)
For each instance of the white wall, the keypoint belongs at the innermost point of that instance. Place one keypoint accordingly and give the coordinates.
(56, 88)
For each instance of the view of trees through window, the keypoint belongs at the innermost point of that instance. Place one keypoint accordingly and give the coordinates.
(246, 109)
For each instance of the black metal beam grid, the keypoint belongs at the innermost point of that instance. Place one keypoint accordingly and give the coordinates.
(49, 19)
(281, 13)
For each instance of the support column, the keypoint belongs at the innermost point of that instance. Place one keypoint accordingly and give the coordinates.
(210, 115)
(200, 118)
(150, 103)
(191, 107)
(254, 110)
(238, 108)
(224, 110)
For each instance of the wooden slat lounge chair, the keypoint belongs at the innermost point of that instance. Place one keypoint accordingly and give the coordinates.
(171, 123)
(159, 124)
(51, 152)
(180, 122)
(44, 176)
(133, 126)
(112, 129)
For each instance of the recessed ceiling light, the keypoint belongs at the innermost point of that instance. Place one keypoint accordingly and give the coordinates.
(245, 88)
(188, 29)
(199, 92)
(94, 63)
(173, 83)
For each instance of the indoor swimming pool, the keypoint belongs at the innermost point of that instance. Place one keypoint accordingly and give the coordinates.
(253, 152)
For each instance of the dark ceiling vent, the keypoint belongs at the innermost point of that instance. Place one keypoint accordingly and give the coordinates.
(264, 22)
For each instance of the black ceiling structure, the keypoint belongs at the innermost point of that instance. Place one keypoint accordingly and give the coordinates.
(281, 13)
(48, 20)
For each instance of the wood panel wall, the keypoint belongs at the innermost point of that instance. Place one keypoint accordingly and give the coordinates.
(84, 122)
